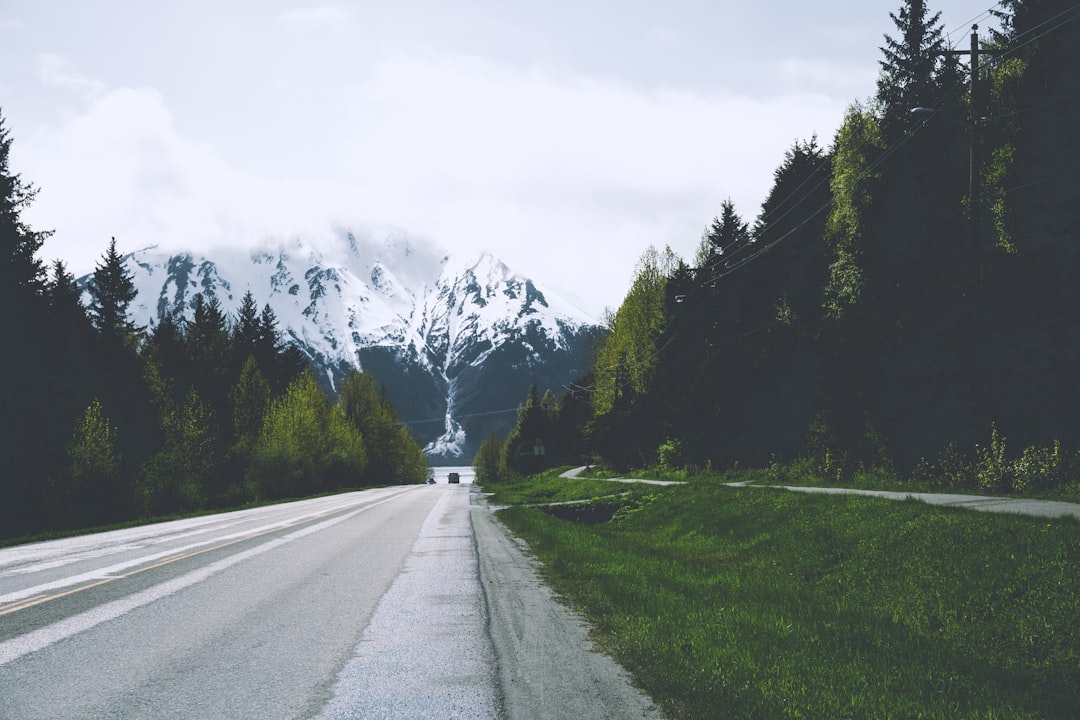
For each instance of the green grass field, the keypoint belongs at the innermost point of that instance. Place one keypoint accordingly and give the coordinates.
(746, 603)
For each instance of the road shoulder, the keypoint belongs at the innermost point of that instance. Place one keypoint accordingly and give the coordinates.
(546, 664)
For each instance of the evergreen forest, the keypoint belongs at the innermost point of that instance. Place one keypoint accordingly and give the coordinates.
(102, 422)
(906, 299)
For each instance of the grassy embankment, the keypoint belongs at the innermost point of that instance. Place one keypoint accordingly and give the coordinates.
(752, 603)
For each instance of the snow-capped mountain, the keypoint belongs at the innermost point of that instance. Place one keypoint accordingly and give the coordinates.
(455, 341)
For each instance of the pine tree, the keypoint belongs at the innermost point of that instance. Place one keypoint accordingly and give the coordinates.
(282, 363)
(22, 274)
(24, 440)
(250, 398)
(245, 332)
(112, 290)
(207, 348)
(63, 292)
(916, 70)
(726, 235)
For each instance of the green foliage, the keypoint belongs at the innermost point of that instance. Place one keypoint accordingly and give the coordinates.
(96, 470)
(306, 446)
(250, 397)
(548, 487)
(179, 476)
(627, 358)
(857, 142)
(671, 455)
(525, 442)
(93, 453)
(994, 191)
(993, 471)
(490, 461)
(393, 455)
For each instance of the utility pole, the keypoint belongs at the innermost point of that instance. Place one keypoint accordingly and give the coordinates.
(973, 132)
(977, 101)
(975, 164)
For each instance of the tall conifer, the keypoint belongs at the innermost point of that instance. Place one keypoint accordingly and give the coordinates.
(113, 290)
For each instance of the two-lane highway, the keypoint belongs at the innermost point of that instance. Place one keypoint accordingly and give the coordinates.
(398, 603)
(248, 614)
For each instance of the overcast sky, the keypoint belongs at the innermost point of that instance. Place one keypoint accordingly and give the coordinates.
(566, 136)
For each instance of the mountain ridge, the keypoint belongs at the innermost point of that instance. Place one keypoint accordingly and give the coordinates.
(455, 341)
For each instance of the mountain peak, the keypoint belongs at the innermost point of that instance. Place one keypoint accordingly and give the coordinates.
(456, 340)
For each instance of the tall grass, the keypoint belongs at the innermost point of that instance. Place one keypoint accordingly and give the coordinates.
(732, 603)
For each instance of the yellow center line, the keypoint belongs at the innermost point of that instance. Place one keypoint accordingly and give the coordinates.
(44, 598)
(19, 604)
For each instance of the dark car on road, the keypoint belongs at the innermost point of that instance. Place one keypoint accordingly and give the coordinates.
(454, 478)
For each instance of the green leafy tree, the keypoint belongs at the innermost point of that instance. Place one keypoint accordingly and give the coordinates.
(180, 476)
(96, 472)
(627, 355)
(624, 426)
(394, 456)
(306, 445)
(858, 141)
(489, 463)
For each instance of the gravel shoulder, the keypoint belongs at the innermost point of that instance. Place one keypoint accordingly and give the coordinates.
(546, 666)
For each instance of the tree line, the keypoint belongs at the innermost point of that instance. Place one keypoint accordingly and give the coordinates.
(102, 421)
(879, 310)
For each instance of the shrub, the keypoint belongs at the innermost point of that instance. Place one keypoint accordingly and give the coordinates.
(671, 455)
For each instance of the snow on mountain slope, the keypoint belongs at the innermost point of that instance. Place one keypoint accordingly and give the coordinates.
(436, 330)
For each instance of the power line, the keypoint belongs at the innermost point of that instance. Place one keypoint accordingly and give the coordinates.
(727, 258)
(458, 417)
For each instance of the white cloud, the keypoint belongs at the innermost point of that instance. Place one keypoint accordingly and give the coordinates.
(53, 70)
(568, 178)
(120, 169)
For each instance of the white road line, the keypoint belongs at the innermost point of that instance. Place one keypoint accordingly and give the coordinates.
(11, 650)
(118, 568)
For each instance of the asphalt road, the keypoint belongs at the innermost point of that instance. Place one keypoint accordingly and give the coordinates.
(408, 602)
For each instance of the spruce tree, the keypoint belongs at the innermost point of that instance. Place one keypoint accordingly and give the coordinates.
(727, 234)
(245, 332)
(24, 441)
(22, 274)
(112, 290)
(916, 70)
